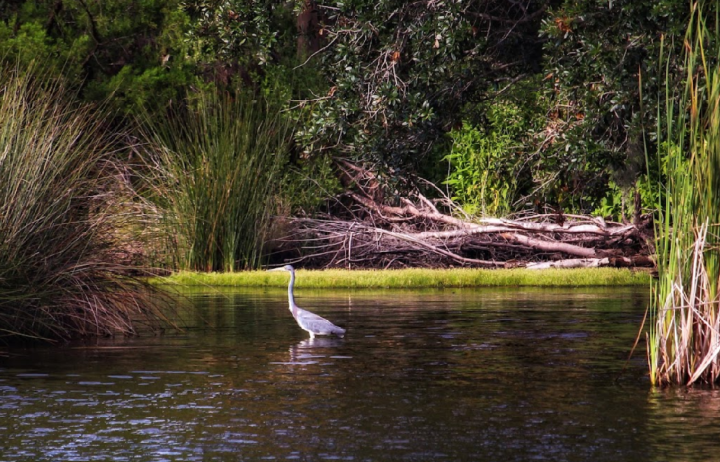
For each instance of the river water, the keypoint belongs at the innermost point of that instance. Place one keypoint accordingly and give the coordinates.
(506, 375)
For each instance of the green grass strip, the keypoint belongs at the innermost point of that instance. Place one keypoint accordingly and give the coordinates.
(415, 278)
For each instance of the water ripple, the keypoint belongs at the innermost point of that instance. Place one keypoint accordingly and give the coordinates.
(457, 375)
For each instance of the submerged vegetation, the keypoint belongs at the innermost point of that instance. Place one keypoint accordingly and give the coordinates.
(63, 199)
(684, 338)
(417, 278)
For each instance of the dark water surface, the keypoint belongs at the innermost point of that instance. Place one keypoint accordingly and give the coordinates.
(504, 375)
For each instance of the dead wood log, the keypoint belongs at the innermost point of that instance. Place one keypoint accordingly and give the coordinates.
(409, 210)
(570, 263)
(614, 262)
(418, 234)
(548, 246)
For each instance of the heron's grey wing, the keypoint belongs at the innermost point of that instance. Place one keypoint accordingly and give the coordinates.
(318, 324)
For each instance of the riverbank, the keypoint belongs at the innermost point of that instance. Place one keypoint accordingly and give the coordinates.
(415, 278)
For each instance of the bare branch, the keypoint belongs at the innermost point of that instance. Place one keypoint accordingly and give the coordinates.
(418, 234)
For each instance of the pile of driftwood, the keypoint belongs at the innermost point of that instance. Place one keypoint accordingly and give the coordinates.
(417, 234)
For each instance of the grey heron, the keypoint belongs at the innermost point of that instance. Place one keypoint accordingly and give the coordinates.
(314, 324)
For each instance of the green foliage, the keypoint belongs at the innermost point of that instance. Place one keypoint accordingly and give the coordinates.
(253, 44)
(602, 73)
(218, 166)
(392, 92)
(305, 188)
(616, 204)
(133, 51)
(236, 32)
(396, 76)
(400, 71)
(481, 175)
(395, 73)
(493, 163)
(619, 201)
(66, 218)
(385, 82)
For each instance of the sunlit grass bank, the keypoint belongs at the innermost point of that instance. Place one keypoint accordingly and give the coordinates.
(416, 278)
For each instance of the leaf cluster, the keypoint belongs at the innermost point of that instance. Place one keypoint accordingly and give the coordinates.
(402, 71)
(131, 52)
(604, 77)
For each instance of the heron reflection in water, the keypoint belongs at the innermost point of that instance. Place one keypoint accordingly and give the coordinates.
(312, 323)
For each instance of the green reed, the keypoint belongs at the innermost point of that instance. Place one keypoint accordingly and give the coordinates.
(684, 337)
(63, 202)
(217, 164)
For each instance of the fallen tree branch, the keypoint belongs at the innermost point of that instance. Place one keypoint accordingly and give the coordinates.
(439, 250)
(418, 234)
(570, 263)
(548, 246)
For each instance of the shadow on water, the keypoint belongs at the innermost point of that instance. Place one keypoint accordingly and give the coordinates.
(434, 375)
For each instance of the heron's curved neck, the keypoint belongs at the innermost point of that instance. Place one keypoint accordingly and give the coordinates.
(291, 297)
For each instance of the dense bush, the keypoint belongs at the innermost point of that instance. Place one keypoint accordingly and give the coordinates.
(488, 169)
(603, 74)
(382, 83)
(131, 53)
(396, 73)
(68, 219)
(401, 73)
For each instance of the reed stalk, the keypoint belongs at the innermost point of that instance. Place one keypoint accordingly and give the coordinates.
(216, 166)
(684, 337)
(64, 219)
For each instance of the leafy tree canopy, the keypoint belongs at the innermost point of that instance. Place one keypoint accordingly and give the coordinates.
(383, 82)
(133, 50)
(603, 74)
(396, 73)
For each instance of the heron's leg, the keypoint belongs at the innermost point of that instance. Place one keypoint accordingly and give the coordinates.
(312, 335)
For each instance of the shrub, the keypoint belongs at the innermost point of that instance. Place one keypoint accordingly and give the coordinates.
(64, 221)
(486, 161)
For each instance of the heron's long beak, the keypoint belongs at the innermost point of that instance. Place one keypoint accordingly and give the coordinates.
(277, 269)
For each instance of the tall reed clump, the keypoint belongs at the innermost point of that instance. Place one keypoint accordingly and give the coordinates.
(684, 337)
(216, 165)
(62, 217)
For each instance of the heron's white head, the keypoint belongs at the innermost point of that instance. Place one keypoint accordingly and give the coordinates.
(287, 268)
